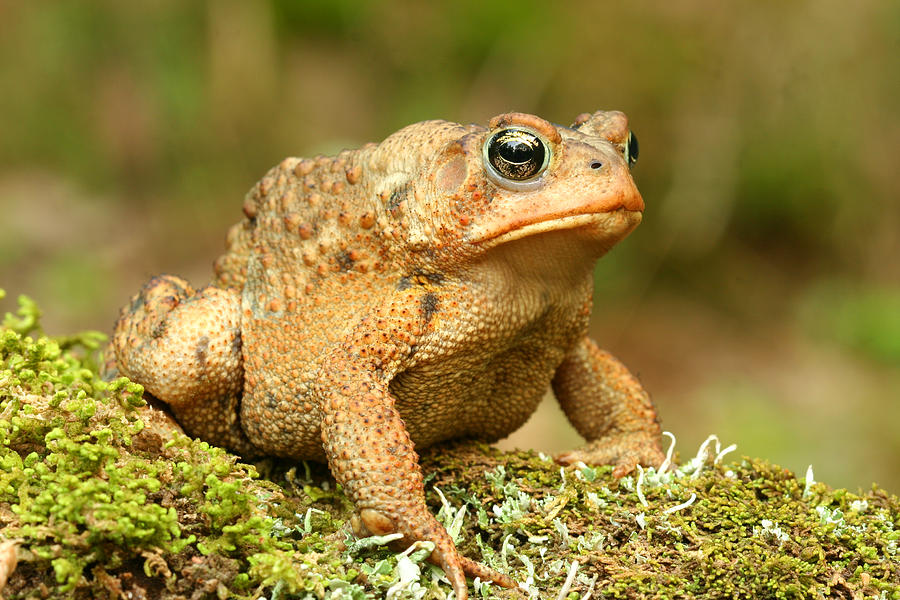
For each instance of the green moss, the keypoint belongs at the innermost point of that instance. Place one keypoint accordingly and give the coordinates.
(78, 491)
(752, 530)
(105, 498)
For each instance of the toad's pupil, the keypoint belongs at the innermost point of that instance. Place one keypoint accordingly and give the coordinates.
(516, 151)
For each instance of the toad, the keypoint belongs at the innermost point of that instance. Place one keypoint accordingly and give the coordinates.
(430, 287)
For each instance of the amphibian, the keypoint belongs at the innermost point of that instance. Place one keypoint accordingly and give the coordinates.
(433, 286)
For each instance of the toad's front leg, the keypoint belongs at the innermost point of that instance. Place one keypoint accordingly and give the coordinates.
(608, 406)
(368, 447)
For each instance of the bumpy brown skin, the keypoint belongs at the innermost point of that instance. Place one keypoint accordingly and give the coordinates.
(396, 296)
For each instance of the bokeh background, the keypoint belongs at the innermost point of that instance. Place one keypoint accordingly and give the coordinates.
(759, 300)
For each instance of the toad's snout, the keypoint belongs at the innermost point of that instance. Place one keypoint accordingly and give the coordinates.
(625, 195)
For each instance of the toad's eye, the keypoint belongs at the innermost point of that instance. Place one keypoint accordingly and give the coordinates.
(631, 149)
(516, 155)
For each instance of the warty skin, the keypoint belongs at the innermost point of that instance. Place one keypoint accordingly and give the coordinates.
(403, 294)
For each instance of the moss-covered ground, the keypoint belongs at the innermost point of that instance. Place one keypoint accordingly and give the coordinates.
(101, 497)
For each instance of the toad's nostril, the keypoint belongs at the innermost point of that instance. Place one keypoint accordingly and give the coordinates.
(596, 164)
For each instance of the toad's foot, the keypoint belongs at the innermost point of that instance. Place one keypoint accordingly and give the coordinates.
(416, 523)
(623, 450)
(475, 569)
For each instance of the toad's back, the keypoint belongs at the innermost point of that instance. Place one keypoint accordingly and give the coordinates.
(319, 244)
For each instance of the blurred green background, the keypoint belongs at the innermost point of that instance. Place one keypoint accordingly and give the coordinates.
(760, 298)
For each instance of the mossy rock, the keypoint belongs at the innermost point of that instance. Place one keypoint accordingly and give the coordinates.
(102, 497)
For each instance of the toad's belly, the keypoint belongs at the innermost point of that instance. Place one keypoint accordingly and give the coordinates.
(473, 397)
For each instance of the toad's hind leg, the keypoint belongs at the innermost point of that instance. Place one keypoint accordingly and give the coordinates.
(184, 347)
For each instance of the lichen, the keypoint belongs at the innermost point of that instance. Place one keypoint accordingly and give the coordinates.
(101, 504)
(748, 533)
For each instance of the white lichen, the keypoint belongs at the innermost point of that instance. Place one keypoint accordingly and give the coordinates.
(513, 508)
(637, 486)
(451, 519)
(669, 453)
(682, 506)
(768, 529)
(570, 578)
(810, 481)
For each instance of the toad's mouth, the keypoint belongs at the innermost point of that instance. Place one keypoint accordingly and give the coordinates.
(605, 228)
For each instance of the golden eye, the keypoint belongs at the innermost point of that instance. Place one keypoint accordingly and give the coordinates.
(516, 154)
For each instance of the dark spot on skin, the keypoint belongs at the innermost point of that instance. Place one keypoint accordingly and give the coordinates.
(418, 278)
(236, 343)
(429, 303)
(345, 261)
(159, 330)
(137, 303)
(271, 401)
(397, 196)
(202, 349)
